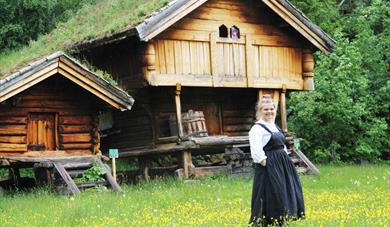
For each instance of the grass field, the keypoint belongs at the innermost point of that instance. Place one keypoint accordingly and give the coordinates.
(341, 196)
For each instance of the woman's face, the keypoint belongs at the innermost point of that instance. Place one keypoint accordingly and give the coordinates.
(268, 112)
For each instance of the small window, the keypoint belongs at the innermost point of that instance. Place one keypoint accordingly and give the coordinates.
(223, 31)
(235, 32)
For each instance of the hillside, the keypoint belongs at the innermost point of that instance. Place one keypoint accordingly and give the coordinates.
(90, 21)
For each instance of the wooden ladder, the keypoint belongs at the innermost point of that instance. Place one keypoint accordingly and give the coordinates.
(300, 159)
(73, 188)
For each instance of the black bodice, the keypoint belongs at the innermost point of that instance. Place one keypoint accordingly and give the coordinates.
(277, 140)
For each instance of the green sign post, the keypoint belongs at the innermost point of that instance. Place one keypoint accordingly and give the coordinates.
(297, 143)
(113, 153)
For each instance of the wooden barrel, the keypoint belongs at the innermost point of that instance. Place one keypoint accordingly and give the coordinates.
(194, 124)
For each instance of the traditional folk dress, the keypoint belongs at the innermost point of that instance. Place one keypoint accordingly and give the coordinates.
(277, 191)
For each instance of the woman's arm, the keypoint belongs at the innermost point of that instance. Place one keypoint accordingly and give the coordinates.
(256, 145)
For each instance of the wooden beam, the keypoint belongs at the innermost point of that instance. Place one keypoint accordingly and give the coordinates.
(310, 165)
(249, 61)
(297, 24)
(283, 113)
(68, 180)
(213, 58)
(179, 121)
(115, 186)
(144, 166)
(186, 163)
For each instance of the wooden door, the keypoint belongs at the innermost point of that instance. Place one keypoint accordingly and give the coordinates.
(41, 132)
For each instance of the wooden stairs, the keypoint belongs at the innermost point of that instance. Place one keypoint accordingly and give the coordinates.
(68, 172)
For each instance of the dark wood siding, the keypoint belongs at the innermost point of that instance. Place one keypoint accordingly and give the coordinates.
(72, 109)
(131, 129)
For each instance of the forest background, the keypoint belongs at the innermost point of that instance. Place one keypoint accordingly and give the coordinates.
(346, 118)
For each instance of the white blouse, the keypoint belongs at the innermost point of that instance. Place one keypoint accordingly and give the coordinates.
(258, 138)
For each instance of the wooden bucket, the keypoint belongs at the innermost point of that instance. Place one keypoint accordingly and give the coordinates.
(194, 124)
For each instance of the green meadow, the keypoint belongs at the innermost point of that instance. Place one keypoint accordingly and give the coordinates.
(341, 196)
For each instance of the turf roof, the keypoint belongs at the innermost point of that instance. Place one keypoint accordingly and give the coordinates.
(91, 20)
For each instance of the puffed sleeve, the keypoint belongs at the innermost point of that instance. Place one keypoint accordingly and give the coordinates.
(256, 144)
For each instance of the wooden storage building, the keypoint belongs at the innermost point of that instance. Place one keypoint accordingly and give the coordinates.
(213, 56)
(51, 109)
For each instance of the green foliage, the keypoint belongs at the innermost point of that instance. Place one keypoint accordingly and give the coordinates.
(93, 18)
(94, 174)
(347, 117)
(25, 20)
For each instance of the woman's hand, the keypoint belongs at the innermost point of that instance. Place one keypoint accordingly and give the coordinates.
(263, 162)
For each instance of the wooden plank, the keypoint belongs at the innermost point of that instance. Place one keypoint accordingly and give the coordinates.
(250, 60)
(194, 58)
(308, 163)
(13, 139)
(229, 13)
(53, 104)
(75, 128)
(178, 57)
(214, 54)
(206, 57)
(182, 34)
(276, 97)
(13, 120)
(233, 128)
(185, 45)
(184, 80)
(283, 112)
(238, 120)
(169, 56)
(212, 26)
(12, 130)
(13, 147)
(238, 113)
(68, 180)
(160, 55)
(76, 138)
(75, 120)
(76, 146)
(108, 176)
(275, 40)
(63, 112)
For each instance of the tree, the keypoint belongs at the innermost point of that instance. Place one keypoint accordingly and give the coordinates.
(347, 116)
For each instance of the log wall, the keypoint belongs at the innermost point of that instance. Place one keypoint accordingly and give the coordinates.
(74, 125)
(227, 111)
(131, 129)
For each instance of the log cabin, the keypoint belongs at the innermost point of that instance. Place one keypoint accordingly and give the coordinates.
(212, 59)
(50, 110)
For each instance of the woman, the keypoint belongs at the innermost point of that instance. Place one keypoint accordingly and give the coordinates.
(277, 192)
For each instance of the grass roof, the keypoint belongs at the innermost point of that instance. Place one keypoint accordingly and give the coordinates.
(90, 21)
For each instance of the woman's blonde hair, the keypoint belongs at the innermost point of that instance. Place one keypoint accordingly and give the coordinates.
(265, 99)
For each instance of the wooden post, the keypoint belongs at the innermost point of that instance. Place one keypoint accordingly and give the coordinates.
(96, 135)
(179, 121)
(308, 70)
(213, 57)
(283, 114)
(187, 164)
(144, 166)
(249, 60)
(114, 168)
